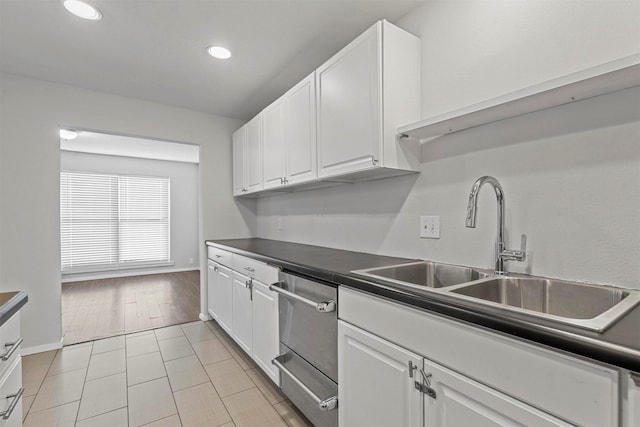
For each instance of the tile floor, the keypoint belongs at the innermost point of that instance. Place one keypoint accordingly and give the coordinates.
(183, 375)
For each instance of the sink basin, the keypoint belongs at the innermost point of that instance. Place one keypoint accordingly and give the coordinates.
(424, 274)
(590, 306)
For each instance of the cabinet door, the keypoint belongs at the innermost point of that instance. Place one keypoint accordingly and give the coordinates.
(9, 387)
(460, 401)
(212, 288)
(265, 324)
(349, 107)
(242, 324)
(273, 145)
(225, 299)
(239, 179)
(300, 128)
(631, 407)
(253, 157)
(375, 382)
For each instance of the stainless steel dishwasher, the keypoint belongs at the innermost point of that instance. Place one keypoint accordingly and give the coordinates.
(308, 359)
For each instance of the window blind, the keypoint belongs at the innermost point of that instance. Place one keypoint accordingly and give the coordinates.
(110, 221)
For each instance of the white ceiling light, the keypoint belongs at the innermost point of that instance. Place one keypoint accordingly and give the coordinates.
(219, 52)
(82, 9)
(68, 134)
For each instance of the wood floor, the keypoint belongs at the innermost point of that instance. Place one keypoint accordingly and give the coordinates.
(108, 307)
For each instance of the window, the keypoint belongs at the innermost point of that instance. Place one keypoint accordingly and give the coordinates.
(113, 221)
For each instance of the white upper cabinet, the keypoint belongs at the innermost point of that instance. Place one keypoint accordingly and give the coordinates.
(338, 124)
(273, 145)
(289, 140)
(247, 158)
(253, 161)
(364, 91)
(300, 134)
(239, 170)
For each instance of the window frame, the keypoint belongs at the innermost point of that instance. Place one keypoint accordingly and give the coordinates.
(116, 237)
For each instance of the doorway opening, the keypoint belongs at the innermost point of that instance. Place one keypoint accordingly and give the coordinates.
(129, 233)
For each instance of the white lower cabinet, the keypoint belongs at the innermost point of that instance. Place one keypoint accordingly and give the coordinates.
(459, 401)
(375, 384)
(240, 301)
(10, 386)
(631, 405)
(242, 324)
(466, 376)
(266, 341)
(224, 306)
(212, 289)
(382, 384)
(11, 373)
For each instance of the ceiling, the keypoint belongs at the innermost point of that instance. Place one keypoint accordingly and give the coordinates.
(156, 49)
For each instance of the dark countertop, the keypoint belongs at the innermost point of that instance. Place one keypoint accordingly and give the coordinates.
(10, 303)
(619, 345)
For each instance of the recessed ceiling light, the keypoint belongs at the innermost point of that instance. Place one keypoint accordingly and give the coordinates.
(68, 134)
(219, 52)
(82, 9)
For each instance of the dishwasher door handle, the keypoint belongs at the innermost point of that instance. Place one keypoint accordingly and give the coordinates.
(328, 404)
(322, 307)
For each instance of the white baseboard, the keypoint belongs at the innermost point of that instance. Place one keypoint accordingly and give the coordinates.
(40, 348)
(111, 275)
(204, 317)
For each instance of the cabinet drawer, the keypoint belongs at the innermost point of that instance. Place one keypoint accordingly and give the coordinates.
(10, 396)
(568, 387)
(219, 256)
(9, 334)
(255, 269)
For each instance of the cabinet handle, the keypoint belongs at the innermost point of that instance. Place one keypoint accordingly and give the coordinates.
(249, 269)
(249, 285)
(16, 398)
(412, 368)
(215, 268)
(218, 256)
(14, 346)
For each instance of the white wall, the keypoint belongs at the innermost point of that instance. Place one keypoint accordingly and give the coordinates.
(31, 111)
(184, 239)
(571, 174)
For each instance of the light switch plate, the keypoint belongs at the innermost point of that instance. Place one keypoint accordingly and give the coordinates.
(280, 223)
(430, 227)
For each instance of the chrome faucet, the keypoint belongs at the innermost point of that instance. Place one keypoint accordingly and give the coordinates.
(502, 254)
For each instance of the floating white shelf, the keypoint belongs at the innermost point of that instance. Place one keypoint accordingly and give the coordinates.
(605, 78)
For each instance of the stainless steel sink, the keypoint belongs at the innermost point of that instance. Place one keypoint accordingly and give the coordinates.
(593, 307)
(424, 274)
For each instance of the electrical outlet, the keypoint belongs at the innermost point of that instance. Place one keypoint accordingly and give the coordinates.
(280, 223)
(190, 260)
(430, 227)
